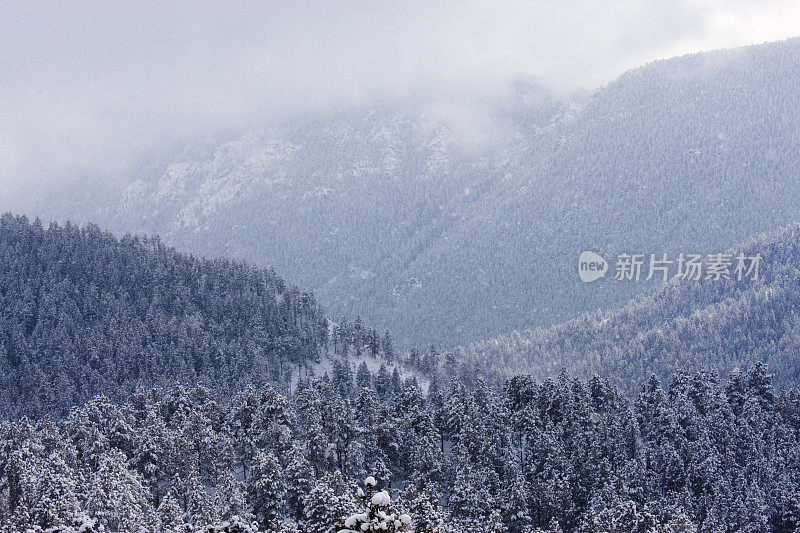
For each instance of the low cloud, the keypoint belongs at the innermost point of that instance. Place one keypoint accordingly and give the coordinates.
(91, 82)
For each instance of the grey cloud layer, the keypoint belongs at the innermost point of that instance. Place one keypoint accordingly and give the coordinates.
(89, 81)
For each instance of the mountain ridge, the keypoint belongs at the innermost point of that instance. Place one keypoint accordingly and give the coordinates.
(85, 313)
(704, 325)
(384, 212)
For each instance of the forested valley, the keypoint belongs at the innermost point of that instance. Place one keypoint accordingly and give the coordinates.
(145, 389)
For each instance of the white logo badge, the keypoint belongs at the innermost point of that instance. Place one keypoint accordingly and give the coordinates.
(591, 266)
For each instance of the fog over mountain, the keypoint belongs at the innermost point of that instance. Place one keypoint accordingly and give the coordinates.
(94, 84)
(448, 223)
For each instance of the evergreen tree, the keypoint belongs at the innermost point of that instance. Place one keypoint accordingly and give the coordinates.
(383, 382)
(378, 512)
(363, 376)
(118, 498)
(396, 386)
(328, 504)
(423, 506)
(170, 513)
(266, 489)
(387, 348)
(343, 378)
(230, 499)
(299, 477)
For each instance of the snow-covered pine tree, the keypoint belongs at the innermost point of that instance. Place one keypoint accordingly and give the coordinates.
(266, 488)
(117, 496)
(516, 504)
(230, 499)
(237, 525)
(42, 491)
(378, 513)
(423, 505)
(170, 513)
(363, 376)
(328, 504)
(387, 347)
(396, 386)
(620, 516)
(383, 382)
(299, 476)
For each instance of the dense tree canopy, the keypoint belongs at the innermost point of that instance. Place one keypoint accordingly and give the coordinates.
(704, 324)
(561, 454)
(85, 313)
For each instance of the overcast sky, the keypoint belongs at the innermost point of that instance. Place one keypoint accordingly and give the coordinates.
(87, 81)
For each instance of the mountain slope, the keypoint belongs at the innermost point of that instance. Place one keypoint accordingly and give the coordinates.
(84, 313)
(691, 154)
(451, 225)
(692, 325)
(343, 202)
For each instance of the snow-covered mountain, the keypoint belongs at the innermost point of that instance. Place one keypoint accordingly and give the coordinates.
(717, 325)
(448, 224)
(85, 313)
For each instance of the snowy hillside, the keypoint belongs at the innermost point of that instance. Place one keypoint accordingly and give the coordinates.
(85, 313)
(448, 224)
(719, 325)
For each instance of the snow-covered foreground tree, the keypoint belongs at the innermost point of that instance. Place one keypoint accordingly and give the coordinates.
(378, 514)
